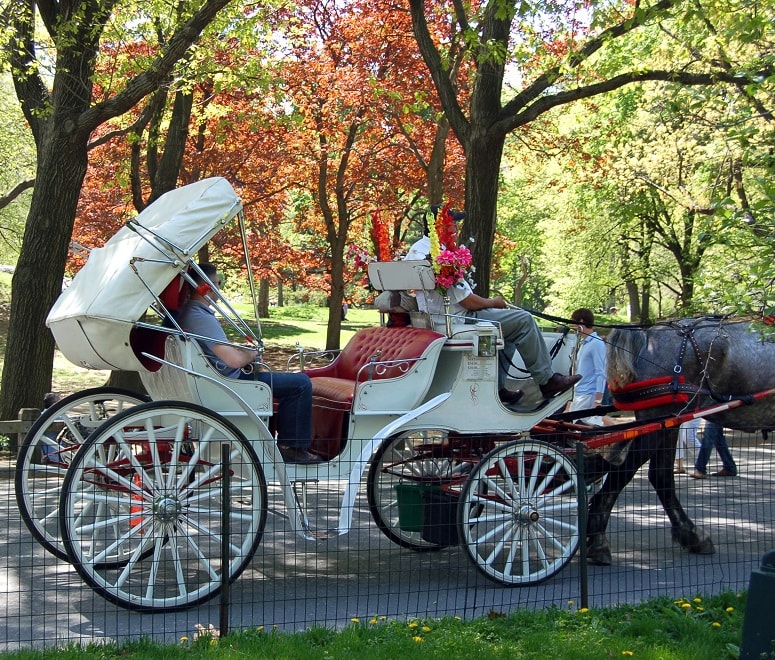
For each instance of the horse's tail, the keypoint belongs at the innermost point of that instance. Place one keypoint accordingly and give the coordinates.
(623, 348)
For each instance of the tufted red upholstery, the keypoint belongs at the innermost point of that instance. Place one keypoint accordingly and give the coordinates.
(333, 386)
(393, 344)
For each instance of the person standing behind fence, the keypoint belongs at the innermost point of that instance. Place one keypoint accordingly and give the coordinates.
(688, 432)
(590, 364)
(713, 436)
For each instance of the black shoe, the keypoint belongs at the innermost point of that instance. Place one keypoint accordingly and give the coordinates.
(558, 383)
(299, 455)
(509, 397)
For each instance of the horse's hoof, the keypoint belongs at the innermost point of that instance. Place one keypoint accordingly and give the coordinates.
(694, 541)
(599, 554)
(600, 559)
(704, 547)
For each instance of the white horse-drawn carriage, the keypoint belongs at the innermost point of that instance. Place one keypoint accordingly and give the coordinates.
(157, 500)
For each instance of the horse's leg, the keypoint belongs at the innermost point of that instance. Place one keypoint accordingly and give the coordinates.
(662, 479)
(601, 505)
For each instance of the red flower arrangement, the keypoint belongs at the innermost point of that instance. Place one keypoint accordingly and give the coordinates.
(451, 263)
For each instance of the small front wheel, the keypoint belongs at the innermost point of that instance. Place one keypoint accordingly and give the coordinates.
(406, 469)
(144, 502)
(518, 513)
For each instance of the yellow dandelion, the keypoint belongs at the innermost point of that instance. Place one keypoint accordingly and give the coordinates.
(730, 609)
(355, 619)
(184, 639)
(700, 609)
(583, 610)
(458, 618)
(570, 602)
(686, 605)
(716, 624)
(628, 653)
(383, 618)
(213, 642)
(417, 639)
(260, 628)
(413, 624)
(373, 621)
(697, 600)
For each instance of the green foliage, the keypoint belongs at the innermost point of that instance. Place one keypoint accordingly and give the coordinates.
(17, 153)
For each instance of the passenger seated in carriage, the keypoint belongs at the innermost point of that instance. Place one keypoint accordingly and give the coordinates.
(293, 391)
(520, 331)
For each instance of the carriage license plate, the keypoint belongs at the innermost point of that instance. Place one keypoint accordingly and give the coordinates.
(476, 368)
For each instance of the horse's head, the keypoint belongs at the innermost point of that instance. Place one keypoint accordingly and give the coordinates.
(694, 363)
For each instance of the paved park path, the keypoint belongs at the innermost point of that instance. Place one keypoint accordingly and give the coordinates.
(294, 584)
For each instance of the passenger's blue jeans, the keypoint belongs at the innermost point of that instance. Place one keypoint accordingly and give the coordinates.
(293, 392)
(714, 437)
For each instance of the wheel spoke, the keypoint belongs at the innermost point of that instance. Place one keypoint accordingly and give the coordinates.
(163, 513)
(519, 513)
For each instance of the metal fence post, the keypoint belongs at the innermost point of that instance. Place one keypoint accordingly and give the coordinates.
(581, 489)
(225, 534)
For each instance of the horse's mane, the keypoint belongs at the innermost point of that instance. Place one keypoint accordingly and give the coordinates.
(623, 348)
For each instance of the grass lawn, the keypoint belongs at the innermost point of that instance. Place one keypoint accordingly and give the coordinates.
(682, 629)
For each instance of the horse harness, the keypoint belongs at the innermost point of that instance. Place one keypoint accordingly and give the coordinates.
(673, 388)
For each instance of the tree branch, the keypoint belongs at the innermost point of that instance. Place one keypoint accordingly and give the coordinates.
(144, 83)
(14, 192)
(546, 103)
(444, 85)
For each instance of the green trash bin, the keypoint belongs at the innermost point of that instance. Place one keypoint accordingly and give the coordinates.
(758, 630)
(411, 504)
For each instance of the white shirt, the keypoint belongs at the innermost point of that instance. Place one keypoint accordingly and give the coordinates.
(432, 302)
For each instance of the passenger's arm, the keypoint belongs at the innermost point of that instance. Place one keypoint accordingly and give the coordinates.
(473, 303)
(234, 356)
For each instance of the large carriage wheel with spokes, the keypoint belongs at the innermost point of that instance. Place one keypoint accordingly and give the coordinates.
(518, 513)
(150, 518)
(47, 450)
(406, 465)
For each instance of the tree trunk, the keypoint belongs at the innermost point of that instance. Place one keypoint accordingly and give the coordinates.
(263, 298)
(483, 159)
(333, 332)
(127, 380)
(633, 298)
(37, 281)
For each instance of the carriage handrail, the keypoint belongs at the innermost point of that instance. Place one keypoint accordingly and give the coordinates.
(302, 354)
(380, 367)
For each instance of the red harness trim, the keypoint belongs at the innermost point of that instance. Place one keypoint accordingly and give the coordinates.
(650, 394)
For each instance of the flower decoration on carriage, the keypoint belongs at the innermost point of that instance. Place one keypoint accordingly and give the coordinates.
(452, 263)
(360, 257)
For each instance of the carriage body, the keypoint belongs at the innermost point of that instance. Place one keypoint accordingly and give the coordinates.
(419, 412)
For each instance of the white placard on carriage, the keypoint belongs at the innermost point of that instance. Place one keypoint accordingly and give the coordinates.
(402, 275)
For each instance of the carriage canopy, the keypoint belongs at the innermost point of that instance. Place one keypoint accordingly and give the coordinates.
(93, 320)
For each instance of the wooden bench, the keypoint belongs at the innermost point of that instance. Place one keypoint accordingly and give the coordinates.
(380, 369)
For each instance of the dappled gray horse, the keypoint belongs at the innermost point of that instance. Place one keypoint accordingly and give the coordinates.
(675, 367)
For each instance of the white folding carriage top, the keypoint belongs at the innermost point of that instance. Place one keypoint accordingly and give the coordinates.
(93, 320)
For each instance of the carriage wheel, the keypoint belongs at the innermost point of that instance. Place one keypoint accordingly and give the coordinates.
(408, 463)
(518, 513)
(46, 452)
(147, 487)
